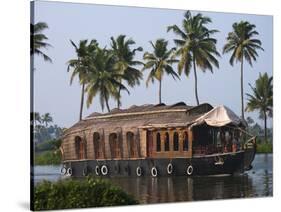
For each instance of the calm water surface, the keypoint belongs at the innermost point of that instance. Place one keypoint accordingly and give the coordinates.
(257, 182)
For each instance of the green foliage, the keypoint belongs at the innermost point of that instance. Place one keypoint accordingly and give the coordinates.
(264, 147)
(159, 62)
(261, 98)
(124, 62)
(48, 145)
(104, 79)
(38, 40)
(47, 158)
(242, 43)
(196, 46)
(90, 192)
(42, 129)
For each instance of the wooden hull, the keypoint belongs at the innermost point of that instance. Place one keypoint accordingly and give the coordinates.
(225, 163)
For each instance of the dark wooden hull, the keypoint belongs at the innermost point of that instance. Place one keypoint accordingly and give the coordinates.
(226, 163)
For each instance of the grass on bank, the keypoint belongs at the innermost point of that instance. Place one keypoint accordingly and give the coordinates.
(90, 192)
(50, 157)
(264, 148)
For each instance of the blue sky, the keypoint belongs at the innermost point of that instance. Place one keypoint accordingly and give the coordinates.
(53, 93)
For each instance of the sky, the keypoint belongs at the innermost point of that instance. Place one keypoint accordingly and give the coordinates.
(54, 94)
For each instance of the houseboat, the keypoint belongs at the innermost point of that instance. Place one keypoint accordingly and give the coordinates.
(158, 140)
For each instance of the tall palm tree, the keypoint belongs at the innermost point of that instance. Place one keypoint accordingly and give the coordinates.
(159, 62)
(195, 45)
(103, 78)
(38, 40)
(46, 118)
(125, 62)
(242, 44)
(81, 65)
(261, 99)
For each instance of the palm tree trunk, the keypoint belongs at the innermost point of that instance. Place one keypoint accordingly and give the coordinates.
(242, 91)
(160, 91)
(106, 102)
(119, 97)
(265, 127)
(195, 78)
(82, 101)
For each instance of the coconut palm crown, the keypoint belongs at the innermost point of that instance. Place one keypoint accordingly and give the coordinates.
(242, 44)
(104, 78)
(80, 66)
(125, 63)
(38, 40)
(159, 62)
(196, 47)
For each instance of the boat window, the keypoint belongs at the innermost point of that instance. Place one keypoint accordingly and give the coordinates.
(176, 141)
(158, 142)
(227, 136)
(219, 138)
(185, 141)
(97, 145)
(79, 148)
(115, 147)
(167, 140)
(132, 147)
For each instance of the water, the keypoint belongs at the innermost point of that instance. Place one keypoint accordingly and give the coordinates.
(257, 182)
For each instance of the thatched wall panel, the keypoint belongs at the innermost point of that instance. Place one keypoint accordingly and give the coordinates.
(106, 144)
(143, 143)
(125, 144)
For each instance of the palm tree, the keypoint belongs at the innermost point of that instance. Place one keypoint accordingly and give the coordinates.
(38, 40)
(81, 65)
(196, 47)
(125, 62)
(46, 118)
(103, 78)
(243, 45)
(262, 99)
(35, 118)
(159, 62)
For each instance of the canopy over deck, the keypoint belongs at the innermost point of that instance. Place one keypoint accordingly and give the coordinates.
(219, 117)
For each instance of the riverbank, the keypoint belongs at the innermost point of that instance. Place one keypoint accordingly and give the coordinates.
(264, 148)
(48, 153)
(90, 192)
(49, 157)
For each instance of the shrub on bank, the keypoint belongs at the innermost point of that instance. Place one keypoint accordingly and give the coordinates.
(90, 192)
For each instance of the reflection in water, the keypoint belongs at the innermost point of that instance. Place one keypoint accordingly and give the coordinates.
(173, 189)
(255, 183)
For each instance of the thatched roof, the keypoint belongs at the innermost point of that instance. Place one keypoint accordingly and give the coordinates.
(143, 116)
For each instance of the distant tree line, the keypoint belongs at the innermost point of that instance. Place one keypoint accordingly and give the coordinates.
(42, 128)
(256, 129)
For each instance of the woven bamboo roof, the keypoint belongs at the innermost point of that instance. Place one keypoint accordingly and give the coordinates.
(143, 116)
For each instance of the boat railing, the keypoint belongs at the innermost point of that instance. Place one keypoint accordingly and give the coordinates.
(250, 143)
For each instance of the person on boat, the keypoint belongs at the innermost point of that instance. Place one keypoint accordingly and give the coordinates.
(234, 142)
(237, 139)
(228, 139)
(223, 141)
